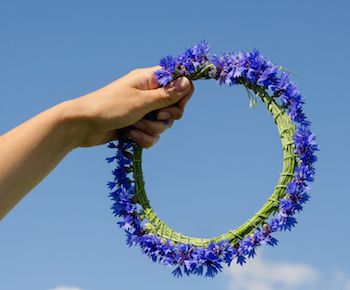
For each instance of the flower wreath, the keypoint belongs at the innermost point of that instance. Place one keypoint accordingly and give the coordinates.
(200, 256)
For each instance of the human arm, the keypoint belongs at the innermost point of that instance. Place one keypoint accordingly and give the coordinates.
(29, 152)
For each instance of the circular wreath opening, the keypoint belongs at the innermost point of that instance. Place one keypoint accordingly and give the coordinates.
(194, 255)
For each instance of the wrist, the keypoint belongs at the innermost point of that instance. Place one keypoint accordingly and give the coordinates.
(73, 122)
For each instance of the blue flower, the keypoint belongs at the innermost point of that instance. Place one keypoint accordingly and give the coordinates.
(281, 84)
(164, 77)
(168, 63)
(111, 184)
(149, 246)
(132, 239)
(201, 51)
(229, 253)
(304, 173)
(129, 222)
(286, 223)
(111, 159)
(268, 78)
(271, 241)
(185, 257)
(306, 144)
(112, 145)
(167, 253)
(177, 272)
(241, 260)
(218, 62)
(229, 68)
(290, 93)
(286, 204)
(256, 65)
(208, 258)
(252, 70)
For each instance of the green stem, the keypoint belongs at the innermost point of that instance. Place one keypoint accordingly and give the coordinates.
(286, 131)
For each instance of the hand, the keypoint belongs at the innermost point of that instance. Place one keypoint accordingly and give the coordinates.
(30, 151)
(120, 107)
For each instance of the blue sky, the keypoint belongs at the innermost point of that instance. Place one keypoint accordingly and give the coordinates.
(210, 172)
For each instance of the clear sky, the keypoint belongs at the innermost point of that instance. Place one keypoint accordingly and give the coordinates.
(209, 173)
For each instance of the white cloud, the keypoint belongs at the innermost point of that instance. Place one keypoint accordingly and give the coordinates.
(341, 281)
(66, 288)
(259, 274)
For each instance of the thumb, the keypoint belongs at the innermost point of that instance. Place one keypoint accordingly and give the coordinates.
(168, 95)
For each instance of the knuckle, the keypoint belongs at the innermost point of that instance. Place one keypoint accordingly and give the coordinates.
(154, 128)
(132, 72)
(178, 114)
(148, 144)
(135, 71)
(166, 93)
(171, 94)
(161, 128)
(149, 140)
(174, 96)
(144, 145)
(153, 140)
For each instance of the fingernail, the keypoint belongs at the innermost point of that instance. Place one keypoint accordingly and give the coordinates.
(134, 134)
(181, 84)
(163, 115)
(140, 125)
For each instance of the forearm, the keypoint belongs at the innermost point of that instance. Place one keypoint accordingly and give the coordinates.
(32, 150)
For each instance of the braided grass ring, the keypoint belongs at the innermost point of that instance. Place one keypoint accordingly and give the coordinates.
(199, 256)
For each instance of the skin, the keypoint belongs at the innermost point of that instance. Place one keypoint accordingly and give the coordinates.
(29, 152)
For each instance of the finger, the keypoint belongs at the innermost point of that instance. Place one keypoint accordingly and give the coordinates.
(143, 139)
(152, 79)
(168, 95)
(169, 123)
(182, 103)
(176, 111)
(145, 78)
(114, 135)
(152, 127)
(172, 112)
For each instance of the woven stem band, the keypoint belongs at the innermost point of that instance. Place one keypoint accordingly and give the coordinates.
(286, 131)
